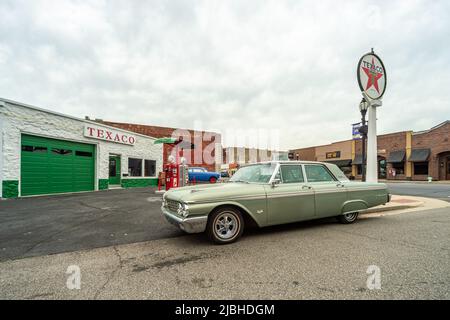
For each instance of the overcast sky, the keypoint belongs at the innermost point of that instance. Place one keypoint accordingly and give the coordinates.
(286, 65)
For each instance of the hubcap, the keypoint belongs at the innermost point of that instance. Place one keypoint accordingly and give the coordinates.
(351, 216)
(226, 225)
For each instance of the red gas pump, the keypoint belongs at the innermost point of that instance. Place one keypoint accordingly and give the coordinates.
(176, 170)
(171, 170)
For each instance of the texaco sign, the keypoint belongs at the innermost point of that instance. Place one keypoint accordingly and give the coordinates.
(372, 76)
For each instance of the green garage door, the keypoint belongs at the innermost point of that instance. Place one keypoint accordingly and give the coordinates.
(56, 166)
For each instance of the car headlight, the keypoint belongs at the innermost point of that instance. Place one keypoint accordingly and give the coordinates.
(183, 209)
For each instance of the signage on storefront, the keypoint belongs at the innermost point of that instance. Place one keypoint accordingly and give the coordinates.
(372, 76)
(333, 155)
(107, 134)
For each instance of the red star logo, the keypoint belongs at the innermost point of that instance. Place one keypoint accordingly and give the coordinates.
(373, 76)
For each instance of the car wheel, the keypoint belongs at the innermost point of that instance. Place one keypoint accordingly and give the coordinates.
(225, 225)
(212, 179)
(348, 218)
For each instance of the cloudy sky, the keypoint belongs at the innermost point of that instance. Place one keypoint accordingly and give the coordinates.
(228, 65)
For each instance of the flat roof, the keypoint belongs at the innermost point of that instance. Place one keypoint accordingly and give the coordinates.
(55, 113)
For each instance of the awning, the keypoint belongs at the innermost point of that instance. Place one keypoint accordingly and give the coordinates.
(396, 156)
(419, 155)
(358, 159)
(165, 140)
(341, 163)
(176, 142)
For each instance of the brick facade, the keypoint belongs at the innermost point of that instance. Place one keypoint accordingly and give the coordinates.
(306, 154)
(206, 141)
(437, 139)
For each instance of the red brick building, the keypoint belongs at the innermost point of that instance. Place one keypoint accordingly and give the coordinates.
(205, 143)
(405, 155)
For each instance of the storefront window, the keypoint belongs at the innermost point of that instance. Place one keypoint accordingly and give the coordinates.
(399, 167)
(134, 167)
(150, 168)
(421, 168)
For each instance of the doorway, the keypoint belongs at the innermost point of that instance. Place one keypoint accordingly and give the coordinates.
(447, 177)
(114, 170)
(382, 173)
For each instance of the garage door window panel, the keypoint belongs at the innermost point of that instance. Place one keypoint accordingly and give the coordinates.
(83, 154)
(62, 152)
(34, 149)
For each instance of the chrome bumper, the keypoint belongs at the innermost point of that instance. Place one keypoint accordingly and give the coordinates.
(189, 224)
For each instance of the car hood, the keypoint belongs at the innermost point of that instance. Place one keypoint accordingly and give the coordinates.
(216, 192)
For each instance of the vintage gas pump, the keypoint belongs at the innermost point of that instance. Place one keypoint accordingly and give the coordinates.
(171, 171)
(176, 169)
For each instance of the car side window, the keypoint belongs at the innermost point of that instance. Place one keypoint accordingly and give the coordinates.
(291, 174)
(316, 173)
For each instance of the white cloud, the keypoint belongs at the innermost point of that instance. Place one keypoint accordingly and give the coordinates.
(289, 65)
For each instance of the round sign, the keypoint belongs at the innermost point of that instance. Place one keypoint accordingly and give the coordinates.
(372, 76)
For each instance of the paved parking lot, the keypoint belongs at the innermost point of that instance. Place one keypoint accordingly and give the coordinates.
(47, 225)
(311, 260)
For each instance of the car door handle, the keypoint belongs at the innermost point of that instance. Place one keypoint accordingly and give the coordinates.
(340, 185)
(306, 188)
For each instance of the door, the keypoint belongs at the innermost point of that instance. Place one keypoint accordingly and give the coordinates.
(114, 170)
(330, 194)
(448, 169)
(382, 173)
(291, 200)
(55, 166)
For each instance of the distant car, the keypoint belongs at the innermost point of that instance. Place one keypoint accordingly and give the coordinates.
(201, 174)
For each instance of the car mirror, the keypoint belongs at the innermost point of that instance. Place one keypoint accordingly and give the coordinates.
(275, 182)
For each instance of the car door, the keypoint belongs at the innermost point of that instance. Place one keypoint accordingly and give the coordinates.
(291, 200)
(202, 174)
(330, 194)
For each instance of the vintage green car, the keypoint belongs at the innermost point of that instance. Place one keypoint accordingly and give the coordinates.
(267, 194)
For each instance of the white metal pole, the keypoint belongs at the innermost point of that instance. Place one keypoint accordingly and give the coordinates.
(372, 161)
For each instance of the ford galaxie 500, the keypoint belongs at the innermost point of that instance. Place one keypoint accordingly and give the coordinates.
(268, 194)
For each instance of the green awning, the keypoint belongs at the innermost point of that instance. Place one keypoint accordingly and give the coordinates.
(165, 140)
(358, 159)
(177, 142)
(419, 155)
(396, 156)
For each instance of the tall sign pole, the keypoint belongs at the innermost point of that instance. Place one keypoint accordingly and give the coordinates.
(372, 81)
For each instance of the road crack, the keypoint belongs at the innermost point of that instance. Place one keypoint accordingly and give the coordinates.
(112, 274)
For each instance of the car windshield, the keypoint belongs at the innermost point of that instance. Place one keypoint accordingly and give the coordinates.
(260, 173)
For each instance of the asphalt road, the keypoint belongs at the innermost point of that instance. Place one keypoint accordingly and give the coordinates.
(438, 191)
(314, 260)
(54, 224)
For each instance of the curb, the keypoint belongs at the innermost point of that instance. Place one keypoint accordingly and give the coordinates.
(391, 208)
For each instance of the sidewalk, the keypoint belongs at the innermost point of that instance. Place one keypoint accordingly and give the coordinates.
(414, 181)
(400, 204)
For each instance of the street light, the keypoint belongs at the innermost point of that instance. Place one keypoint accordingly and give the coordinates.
(363, 106)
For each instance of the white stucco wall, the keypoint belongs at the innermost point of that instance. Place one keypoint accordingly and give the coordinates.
(19, 119)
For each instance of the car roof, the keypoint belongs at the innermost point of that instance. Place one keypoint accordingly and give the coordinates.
(290, 162)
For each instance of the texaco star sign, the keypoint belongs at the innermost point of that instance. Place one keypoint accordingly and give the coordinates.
(372, 76)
